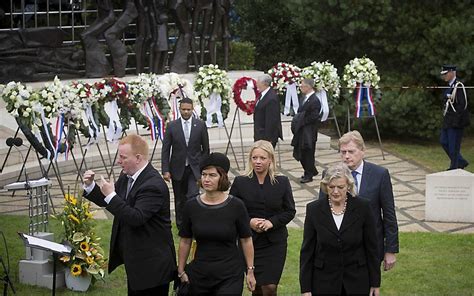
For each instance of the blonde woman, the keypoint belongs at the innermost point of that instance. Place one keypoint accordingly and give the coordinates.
(269, 201)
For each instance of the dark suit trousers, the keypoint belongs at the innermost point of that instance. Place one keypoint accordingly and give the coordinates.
(307, 161)
(183, 190)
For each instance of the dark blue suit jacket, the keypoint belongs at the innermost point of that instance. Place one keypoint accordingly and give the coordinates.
(376, 186)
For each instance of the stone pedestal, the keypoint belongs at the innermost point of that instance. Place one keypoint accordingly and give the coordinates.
(450, 196)
(37, 268)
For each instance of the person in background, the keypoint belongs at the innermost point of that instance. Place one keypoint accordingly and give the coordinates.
(305, 130)
(216, 220)
(455, 117)
(185, 144)
(266, 116)
(269, 201)
(141, 232)
(339, 253)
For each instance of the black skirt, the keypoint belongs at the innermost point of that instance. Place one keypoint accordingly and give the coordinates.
(269, 260)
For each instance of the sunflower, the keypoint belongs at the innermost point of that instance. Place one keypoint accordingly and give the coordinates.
(85, 246)
(76, 269)
(89, 260)
(88, 215)
(74, 218)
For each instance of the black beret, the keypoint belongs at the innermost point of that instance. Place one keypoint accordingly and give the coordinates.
(216, 159)
(447, 68)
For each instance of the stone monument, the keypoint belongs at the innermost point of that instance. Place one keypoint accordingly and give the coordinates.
(450, 196)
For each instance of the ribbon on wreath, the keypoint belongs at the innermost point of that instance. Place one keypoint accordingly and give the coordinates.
(58, 133)
(114, 130)
(214, 107)
(364, 94)
(291, 96)
(323, 98)
(94, 130)
(149, 117)
(44, 126)
(160, 119)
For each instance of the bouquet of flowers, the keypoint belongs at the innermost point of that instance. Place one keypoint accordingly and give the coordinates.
(325, 77)
(360, 71)
(141, 89)
(284, 74)
(88, 256)
(213, 90)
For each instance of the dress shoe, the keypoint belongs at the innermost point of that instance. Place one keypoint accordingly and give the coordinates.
(306, 180)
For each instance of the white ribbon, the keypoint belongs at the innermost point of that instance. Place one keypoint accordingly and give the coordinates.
(214, 106)
(291, 96)
(250, 84)
(46, 131)
(94, 130)
(115, 127)
(323, 98)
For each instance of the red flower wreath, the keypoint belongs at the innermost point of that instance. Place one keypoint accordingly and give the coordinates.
(239, 85)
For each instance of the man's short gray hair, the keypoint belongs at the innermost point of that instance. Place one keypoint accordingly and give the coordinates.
(308, 81)
(265, 79)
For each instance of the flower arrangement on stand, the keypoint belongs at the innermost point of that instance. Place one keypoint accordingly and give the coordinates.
(325, 78)
(361, 74)
(18, 103)
(114, 101)
(326, 82)
(172, 87)
(213, 90)
(286, 77)
(87, 259)
(89, 98)
(141, 89)
(248, 106)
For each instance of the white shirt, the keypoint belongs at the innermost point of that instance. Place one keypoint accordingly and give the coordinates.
(109, 197)
(359, 171)
(307, 96)
(189, 124)
(263, 93)
(338, 220)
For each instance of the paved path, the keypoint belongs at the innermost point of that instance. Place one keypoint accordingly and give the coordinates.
(408, 184)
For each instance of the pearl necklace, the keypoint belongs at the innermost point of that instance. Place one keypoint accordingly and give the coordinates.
(338, 213)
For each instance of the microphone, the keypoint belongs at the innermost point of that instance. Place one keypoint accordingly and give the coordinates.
(17, 142)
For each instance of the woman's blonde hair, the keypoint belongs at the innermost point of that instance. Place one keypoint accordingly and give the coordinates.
(267, 147)
(340, 170)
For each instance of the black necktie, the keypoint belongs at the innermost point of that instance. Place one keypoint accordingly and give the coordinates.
(354, 174)
(129, 186)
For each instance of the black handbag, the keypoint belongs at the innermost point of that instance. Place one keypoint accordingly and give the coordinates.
(183, 289)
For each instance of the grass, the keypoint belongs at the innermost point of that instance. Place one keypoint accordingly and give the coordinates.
(428, 263)
(430, 154)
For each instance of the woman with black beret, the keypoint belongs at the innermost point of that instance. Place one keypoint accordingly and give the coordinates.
(216, 221)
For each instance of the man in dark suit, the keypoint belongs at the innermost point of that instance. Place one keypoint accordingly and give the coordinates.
(141, 233)
(186, 142)
(305, 130)
(373, 182)
(456, 118)
(266, 116)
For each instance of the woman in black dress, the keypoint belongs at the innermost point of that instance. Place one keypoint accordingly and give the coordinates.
(216, 221)
(339, 254)
(269, 201)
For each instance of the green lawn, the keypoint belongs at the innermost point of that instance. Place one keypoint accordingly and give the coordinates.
(429, 154)
(428, 263)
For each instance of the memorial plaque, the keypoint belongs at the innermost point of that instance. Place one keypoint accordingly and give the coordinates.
(450, 196)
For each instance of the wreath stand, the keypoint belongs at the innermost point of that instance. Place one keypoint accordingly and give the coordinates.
(229, 136)
(365, 109)
(334, 118)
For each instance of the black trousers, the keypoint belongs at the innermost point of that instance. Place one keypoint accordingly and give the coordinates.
(161, 290)
(183, 190)
(308, 162)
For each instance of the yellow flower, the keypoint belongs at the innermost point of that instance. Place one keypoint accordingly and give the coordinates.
(89, 215)
(76, 269)
(70, 198)
(85, 246)
(74, 218)
(89, 260)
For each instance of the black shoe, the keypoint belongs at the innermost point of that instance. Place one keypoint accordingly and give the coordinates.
(317, 173)
(306, 180)
(464, 165)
